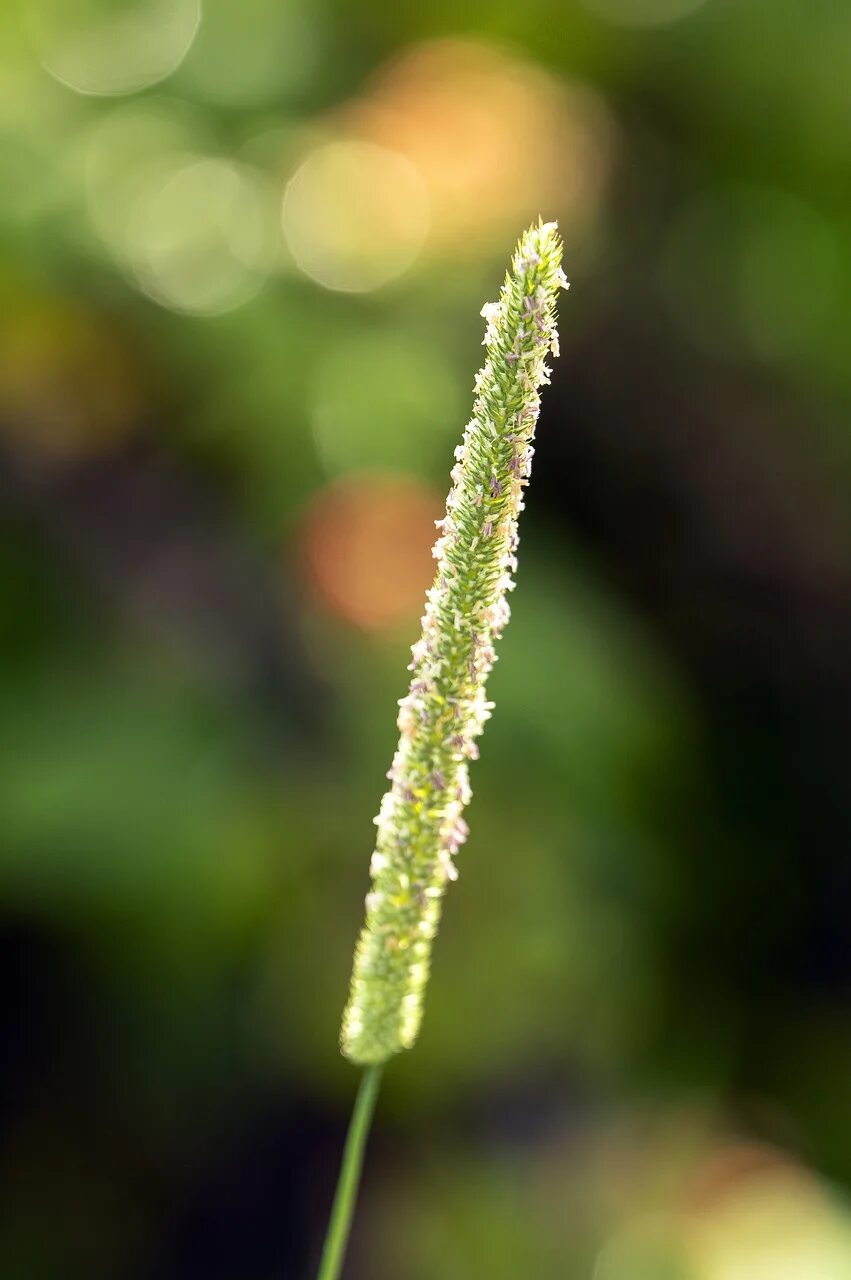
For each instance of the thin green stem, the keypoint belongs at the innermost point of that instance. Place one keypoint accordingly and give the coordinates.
(342, 1211)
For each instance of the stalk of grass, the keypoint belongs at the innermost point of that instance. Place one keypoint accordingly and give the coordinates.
(420, 823)
(345, 1197)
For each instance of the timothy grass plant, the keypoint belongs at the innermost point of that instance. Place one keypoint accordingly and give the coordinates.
(420, 825)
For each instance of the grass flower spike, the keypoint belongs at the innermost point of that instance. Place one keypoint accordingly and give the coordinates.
(421, 825)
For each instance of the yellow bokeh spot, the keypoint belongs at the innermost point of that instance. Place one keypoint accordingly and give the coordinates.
(104, 47)
(355, 215)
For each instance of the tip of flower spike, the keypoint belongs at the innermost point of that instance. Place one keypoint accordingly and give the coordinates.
(543, 231)
(420, 823)
(541, 245)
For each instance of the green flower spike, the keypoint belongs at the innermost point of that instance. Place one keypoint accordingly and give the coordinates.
(420, 825)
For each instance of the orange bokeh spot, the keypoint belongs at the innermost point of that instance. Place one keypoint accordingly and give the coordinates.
(495, 138)
(365, 545)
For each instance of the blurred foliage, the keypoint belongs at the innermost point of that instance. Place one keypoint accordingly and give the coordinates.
(242, 253)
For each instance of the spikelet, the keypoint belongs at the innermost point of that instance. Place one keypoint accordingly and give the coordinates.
(420, 824)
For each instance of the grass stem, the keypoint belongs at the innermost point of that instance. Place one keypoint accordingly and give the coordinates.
(345, 1197)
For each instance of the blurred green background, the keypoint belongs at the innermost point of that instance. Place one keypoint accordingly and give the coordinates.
(243, 248)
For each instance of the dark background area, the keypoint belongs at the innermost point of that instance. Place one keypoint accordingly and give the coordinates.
(242, 255)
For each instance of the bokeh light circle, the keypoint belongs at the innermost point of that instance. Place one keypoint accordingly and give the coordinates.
(495, 137)
(122, 155)
(113, 46)
(355, 215)
(198, 240)
(366, 547)
(776, 1219)
(198, 233)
